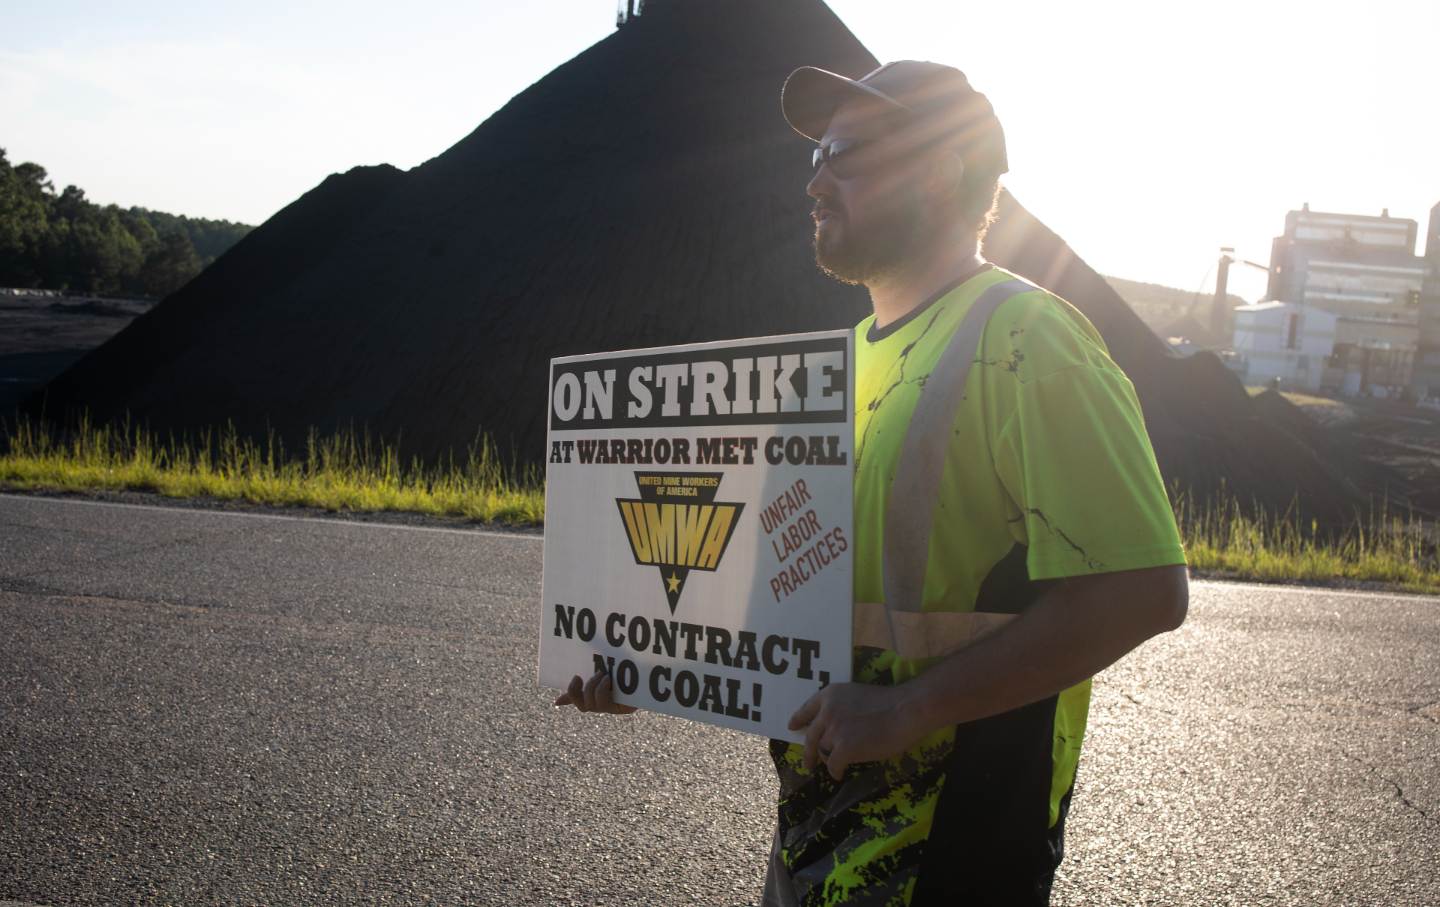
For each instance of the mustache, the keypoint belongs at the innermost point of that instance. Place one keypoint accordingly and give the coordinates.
(825, 203)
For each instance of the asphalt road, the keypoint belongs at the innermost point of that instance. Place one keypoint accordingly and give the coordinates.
(204, 707)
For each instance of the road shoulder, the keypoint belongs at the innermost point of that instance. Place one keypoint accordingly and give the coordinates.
(387, 517)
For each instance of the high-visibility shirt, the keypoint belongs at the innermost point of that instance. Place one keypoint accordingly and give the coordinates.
(1049, 474)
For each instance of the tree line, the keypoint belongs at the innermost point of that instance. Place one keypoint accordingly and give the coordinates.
(64, 241)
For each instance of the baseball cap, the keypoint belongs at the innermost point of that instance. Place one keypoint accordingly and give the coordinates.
(938, 96)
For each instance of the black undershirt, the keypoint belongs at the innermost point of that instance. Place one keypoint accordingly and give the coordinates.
(876, 334)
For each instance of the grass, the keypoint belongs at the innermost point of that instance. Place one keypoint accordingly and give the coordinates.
(1295, 397)
(1325, 410)
(1381, 547)
(342, 472)
(350, 472)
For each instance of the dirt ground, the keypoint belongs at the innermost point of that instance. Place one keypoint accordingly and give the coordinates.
(1403, 437)
(43, 333)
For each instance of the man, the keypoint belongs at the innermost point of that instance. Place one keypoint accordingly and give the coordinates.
(1040, 549)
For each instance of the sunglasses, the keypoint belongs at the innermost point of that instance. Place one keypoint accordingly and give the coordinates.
(849, 158)
(841, 155)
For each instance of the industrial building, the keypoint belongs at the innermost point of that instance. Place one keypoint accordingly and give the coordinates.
(1426, 379)
(1350, 307)
(1349, 264)
(1284, 340)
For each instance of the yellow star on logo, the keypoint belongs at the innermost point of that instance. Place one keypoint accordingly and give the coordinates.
(673, 582)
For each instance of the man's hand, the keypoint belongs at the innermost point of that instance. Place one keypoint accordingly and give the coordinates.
(846, 723)
(1076, 629)
(595, 695)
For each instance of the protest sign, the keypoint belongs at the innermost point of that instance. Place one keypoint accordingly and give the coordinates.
(698, 539)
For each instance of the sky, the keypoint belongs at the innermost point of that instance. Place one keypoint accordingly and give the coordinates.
(1191, 125)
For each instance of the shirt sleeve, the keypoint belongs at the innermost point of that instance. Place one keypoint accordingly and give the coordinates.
(1071, 450)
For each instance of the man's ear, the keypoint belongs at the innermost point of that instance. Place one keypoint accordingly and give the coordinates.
(946, 174)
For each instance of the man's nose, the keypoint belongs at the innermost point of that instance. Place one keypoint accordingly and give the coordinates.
(822, 183)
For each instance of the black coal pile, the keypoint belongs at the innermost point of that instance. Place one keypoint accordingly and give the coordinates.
(646, 192)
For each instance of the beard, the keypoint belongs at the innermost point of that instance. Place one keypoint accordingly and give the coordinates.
(890, 239)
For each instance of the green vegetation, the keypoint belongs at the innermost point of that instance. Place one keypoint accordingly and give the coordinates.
(66, 242)
(341, 472)
(1221, 538)
(346, 472)
(1324, 410)
(1295, 397)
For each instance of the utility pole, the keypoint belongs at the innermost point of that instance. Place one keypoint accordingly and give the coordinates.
(1222, 285)
(1220, 309)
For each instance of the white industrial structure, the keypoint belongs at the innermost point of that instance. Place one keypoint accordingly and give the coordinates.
(1283, 340)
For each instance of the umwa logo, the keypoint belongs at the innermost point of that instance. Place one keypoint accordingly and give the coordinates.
(677, 525)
